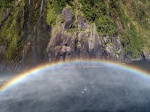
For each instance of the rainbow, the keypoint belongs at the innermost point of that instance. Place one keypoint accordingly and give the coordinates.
(26, 73)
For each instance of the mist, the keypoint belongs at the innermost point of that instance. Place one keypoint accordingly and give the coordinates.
(69, 88)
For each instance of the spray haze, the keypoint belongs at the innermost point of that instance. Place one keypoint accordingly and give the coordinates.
(79, 87)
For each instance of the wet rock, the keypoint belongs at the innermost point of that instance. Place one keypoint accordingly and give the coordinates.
(26, 48)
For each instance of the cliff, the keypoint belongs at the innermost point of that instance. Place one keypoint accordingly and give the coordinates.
(82, 40)
(37, 31)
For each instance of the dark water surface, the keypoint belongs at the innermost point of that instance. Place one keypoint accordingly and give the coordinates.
(106, 88)
(145, 65)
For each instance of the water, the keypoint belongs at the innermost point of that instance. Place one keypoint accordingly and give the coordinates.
(66, 88)
(145, 65)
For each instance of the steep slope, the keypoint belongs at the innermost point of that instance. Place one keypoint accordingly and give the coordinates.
(81, 38)
(36, 31)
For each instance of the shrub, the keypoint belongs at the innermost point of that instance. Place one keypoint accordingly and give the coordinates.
(105, 26)
(50, 17)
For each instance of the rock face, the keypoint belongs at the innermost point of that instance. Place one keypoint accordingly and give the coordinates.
(23, 43)
(2, 49)
(4, 17)
(33, 32)
(68, 17)
(144, 56)
(81, 42)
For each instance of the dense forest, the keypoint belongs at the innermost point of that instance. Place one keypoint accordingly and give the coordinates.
(27, 28)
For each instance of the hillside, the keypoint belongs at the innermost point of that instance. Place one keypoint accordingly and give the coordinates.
(35, 31)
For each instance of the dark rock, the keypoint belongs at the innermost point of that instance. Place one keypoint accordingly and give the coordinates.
(144, 56)
(6, 15)
(82, 43)
(65, 46)
(68, 24)
(60, 46)
(65, 52)
(0, 26)
(2, 49)
(68, 16)
(82, 23)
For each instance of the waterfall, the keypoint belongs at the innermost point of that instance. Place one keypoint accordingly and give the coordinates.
(41, 9)
(29, 9)
(34, 45)
(34, 29)
(36, 49)
(23, 53)
(29, 2)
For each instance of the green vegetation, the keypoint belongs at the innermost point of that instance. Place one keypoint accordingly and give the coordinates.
(133, 41)
(133, 16)
(55, 8)
(6, 3)
(10, 34)
(127, 18)
(58, 5)
(51, 17)
(105, 26)
(98, 12)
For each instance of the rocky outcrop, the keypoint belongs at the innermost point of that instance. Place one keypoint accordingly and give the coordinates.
(68, 17)
(33, 32)
(2, 49)
(82, 41)
(24, 35)
(4, 17)
(144, 56)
